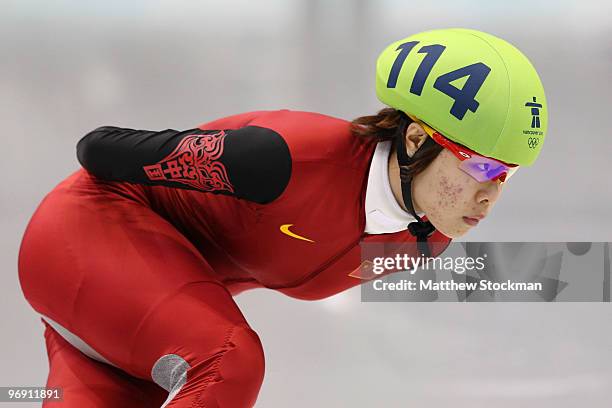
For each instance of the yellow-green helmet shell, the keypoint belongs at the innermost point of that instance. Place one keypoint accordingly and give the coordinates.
(472, 87)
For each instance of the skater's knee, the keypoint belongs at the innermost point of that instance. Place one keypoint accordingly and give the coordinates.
(244, 358)
(233, 377)
(230, 374)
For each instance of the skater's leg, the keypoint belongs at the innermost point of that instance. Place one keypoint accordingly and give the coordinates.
(136, 291)
(88, 383)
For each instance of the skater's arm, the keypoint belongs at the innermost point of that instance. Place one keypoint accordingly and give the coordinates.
(252, 162)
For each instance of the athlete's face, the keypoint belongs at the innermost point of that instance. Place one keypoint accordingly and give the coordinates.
(448, 196)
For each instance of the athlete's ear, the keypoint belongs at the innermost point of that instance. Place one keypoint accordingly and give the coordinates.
(415, 136)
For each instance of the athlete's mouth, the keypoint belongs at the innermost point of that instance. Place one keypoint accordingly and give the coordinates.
(473, 221)
(470, 221)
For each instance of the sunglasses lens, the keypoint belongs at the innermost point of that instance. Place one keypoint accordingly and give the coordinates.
(483, 169)
(480, 168)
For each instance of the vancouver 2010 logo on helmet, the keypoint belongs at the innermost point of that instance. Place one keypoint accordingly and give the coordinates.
(535, 112)
(535, 106)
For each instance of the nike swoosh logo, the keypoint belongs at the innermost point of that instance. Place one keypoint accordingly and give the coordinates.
(285, 230)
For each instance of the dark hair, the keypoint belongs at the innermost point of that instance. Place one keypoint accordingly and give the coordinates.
(384, 126)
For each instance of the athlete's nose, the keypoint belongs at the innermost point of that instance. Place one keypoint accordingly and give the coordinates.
(489, 192)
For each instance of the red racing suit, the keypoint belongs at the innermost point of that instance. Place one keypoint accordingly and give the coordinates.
(138, 255)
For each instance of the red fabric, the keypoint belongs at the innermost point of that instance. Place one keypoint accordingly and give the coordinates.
(138, 272)
(88, 383)
(131, 286)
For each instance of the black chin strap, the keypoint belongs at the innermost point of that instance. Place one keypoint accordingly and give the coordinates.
(419, 228)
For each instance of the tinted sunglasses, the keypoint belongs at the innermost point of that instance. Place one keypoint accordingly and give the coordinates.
(481, 168)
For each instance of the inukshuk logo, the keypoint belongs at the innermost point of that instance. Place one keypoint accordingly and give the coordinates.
(535, 112)
(194, 163)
